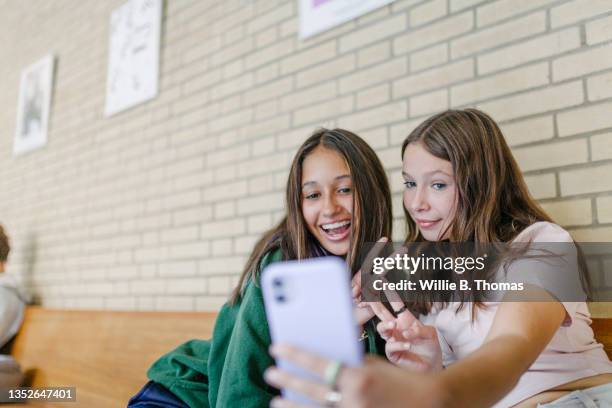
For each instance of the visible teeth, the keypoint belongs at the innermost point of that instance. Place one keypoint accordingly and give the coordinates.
(335, 225)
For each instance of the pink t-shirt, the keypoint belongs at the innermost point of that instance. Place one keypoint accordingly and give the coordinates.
(573, 352)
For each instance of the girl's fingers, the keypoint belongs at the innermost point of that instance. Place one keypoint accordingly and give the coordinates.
(385, 329)
(381, 311)
(279, 402)
(282, 379)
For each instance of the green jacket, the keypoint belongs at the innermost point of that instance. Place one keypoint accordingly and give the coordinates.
(227, 371)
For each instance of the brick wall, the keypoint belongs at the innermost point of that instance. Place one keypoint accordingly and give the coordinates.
(157, 207)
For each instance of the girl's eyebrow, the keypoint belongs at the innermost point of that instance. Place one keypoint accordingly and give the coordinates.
(429, 173)
(309, 183)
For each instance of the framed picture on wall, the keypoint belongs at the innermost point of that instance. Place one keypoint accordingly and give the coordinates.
(33, 106)
(133, 55)
(317, 16)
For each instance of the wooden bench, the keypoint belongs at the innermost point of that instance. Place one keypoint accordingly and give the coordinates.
(105, 355)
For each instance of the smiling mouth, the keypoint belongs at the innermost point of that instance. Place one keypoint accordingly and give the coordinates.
(336, 231)
(425, 224)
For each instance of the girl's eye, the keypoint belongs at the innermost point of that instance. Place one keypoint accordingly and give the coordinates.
(344, 190)
(438, 186)
(312, 196)
(409, 184)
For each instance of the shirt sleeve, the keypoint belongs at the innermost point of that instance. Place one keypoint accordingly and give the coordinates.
(247, 358)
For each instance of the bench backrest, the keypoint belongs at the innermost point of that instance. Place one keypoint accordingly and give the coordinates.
(104, 354)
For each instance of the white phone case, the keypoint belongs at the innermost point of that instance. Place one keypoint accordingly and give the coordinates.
(309, 305)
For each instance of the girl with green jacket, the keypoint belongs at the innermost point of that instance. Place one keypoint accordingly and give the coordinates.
(337, 200)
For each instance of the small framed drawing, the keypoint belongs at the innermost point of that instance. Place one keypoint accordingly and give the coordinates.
(133, 54)
(33, 106)
(317, 16)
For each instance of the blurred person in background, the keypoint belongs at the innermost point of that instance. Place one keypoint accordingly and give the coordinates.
(12, 309)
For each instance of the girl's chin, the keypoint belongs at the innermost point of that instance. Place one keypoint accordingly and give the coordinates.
(337, 248)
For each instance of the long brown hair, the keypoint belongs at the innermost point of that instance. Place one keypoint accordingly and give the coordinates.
(371, 196)
(493, 202)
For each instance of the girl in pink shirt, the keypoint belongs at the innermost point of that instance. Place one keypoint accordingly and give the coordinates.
(462, 184)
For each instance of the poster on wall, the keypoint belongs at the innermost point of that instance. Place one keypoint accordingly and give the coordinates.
(317, 16)
(33, 106)
(133, 55)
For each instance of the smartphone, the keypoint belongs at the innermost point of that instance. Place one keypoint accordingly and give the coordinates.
(309, 305)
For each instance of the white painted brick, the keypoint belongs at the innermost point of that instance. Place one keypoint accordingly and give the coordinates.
(570, 212)
(374, 54)
(308, 96)
(267, 73)
(499, 35)
(399, 132)
(599, 30)
(604, 209)
(226, 264)
(266, 110)
(194, 286)
(587, 119)
(542, 185)
(209, 303)
(174, 303)
(599, 87)
(192, 250)
(260, 203)
(261, 184)
(219, 157)
(372, 33)
(309, 57)
(274, 17)
(428, 12)
(577, 10)
(529, 103)
(434, 33)
(508, 82)
(552, 155)
(259, 223)
(593, 235)
(269, 91)
(219, 285)
(323, 110)
(263, 146)
(266, 127)
(222, 229)
(429, 57)
(269, 54)
(529, 130)
(377, 138)
(601, 146)
(373, 96)
(231, 52)
(324, 72)
(182, 234)
(400, 5)
(266, 37)
(457, 5)
(433, 78)
(374, 117)
(429, 103)
(495, 11)
(586, 180)
(222, 247)
(529, 50)
(376, 74)
(178, 269)
(224, 209)
(585, 62)
(225, 191)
